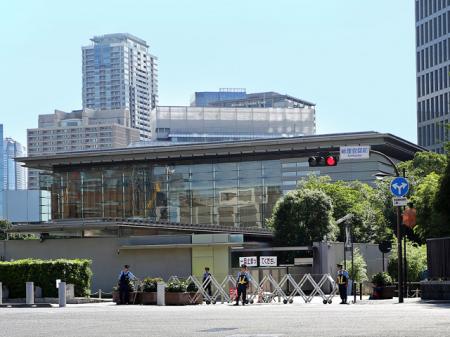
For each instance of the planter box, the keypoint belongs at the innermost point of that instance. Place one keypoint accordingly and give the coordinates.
(383, 293)
(182, 298)
(134, 296)
(148, 298)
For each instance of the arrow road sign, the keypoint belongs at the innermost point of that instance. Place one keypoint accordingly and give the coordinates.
(399, 187)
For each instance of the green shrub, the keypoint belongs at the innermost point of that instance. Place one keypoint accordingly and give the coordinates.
(149, 284)
(381, 279)
(416, 258)
(176, 286)
(44, 274)
(360, 265)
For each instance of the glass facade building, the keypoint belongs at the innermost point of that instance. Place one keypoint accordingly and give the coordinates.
(14, 174)
(432, 72)
(227, 184)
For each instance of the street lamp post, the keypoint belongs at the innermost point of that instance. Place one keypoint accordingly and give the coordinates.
(399, 233)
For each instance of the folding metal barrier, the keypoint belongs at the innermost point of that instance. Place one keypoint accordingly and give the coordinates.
(266, 291)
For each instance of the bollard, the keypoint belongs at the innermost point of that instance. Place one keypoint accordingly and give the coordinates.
(99, 294)
(62, 294)
(1, 293)
(161, 293)
(30, 293)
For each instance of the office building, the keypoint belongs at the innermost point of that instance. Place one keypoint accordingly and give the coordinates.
(14, 174)
(79, 130)
(268, 99)
(120, 73)
(1, 174)
(253, 116)
(204, 98)
(432, 72)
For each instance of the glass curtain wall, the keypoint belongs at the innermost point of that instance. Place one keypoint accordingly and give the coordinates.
(240, 194)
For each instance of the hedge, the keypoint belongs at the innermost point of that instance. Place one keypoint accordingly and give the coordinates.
(44, 274)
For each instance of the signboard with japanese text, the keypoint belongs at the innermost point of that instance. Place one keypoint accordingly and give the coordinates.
(267, 261)
(249, 261)
(354, 152)
(399, 201)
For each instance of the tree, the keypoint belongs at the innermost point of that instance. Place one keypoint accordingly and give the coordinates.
(302, 217)
(4, 226)
(362, 200)
(428, 219)
(442, 202)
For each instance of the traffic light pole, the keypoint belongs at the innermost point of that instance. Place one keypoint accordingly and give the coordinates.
(399, 233)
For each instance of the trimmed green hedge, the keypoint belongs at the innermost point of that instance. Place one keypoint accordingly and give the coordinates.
(44, 274)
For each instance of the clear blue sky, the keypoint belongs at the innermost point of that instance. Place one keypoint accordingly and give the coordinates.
(355, 59)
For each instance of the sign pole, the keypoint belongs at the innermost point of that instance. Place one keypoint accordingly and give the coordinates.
(399, 257)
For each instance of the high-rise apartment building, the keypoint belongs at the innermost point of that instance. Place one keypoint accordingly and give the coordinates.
(433, 72)
(120, 73)
(79, 130)
(14, 174)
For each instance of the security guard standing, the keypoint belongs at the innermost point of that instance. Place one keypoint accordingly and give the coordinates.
(342, 281)
(242, 284)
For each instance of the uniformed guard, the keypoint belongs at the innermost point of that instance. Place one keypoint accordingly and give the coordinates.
(206, 276)
(124, 285)
(342, 281)
(242, 285)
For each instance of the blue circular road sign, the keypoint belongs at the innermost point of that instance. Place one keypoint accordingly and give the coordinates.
(399, 187)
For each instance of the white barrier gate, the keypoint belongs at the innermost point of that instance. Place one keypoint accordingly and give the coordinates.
(266, 291)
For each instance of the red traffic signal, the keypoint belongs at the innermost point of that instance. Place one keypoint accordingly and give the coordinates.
(323, 161)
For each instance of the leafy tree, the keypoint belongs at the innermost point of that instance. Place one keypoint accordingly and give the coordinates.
(424, 198)
(416, 258)
(359, 266)
(362, 200)
(302, 217)
(4, 226)
(442, 202)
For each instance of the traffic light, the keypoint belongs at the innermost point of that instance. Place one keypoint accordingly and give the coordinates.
(328, 160)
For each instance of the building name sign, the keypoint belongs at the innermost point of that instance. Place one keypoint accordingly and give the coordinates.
(354, 152)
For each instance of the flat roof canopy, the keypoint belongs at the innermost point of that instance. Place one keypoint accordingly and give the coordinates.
(387, 143)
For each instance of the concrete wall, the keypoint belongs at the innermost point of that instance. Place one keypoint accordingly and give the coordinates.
(106, 259)
(328, 254)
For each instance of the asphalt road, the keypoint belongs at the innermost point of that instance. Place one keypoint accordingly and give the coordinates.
(385, 319)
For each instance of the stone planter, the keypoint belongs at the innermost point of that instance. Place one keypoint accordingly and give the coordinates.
(148, 298)
(134, 296)
(182, 298)
(383, 293)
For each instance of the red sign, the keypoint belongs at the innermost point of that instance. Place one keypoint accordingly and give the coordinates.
(409, 217)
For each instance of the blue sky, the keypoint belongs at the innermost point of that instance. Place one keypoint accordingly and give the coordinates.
(355, 59)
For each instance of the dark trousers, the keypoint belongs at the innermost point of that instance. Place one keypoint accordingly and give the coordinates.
(124, 294)
(241, 292)
(343, 292)
(208, 289)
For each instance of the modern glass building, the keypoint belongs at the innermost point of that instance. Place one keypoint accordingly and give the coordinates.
(234, 184)
(120, 73)
(207, 124)
(268, 99)
(204, 98)
(432, 72)
(14, 174)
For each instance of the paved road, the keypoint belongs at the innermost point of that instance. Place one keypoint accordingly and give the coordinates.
(315, 319)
